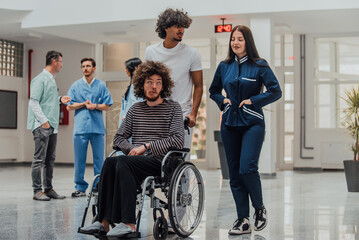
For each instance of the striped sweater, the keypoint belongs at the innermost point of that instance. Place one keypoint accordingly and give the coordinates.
(161, 126)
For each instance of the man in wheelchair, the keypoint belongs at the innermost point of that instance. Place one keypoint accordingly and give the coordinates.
(155, 125)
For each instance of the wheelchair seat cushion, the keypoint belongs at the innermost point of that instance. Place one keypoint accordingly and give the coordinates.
(170, 166)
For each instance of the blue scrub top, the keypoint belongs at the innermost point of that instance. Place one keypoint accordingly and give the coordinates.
(126, 104)
(89, 121)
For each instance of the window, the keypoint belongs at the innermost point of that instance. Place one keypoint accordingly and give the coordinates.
(284, 68)
(115, 55)
(11, 58)
(336, 69)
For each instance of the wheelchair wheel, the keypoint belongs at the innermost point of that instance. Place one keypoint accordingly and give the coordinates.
(185, 199)
(160, 228)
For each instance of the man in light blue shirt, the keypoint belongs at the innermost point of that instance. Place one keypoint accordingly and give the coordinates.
(89, 97)
(43, 121)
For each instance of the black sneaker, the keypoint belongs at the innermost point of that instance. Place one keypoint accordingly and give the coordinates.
(260, 219)
(240, 226)
(78, 193)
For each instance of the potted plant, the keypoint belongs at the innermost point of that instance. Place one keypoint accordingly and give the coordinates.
(351, 123)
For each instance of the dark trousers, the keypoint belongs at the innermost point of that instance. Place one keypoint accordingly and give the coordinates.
(44, 158)
(242, 146)
(121, 176)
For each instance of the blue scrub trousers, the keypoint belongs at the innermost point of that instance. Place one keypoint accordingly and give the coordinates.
(80, 149)
(242, 146)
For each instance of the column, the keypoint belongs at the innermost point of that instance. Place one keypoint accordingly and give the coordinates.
(262, 29)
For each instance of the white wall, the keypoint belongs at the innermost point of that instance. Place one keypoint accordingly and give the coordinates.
(12, 140)
(19, 143)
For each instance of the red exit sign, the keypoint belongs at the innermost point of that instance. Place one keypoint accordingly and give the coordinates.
(223, 28)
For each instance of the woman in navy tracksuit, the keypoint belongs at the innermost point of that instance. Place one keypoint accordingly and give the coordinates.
(242, 76)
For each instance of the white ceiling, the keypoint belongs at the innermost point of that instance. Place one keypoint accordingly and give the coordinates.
(308, 22)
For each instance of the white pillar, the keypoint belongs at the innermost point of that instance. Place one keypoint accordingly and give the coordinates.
(262, 30)
(212, 155)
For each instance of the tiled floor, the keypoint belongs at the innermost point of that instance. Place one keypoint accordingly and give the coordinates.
(301, 205)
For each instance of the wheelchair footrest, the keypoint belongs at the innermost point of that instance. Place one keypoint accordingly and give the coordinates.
(127, 236)
(99, 235)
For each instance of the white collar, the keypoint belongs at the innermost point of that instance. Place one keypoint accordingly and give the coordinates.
(93, 79)
(242, 60)
(48, 73)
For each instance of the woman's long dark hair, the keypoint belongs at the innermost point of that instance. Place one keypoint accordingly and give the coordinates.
(251, 49)
(131, 65)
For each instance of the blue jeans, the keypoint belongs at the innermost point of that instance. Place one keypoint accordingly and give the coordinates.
(81, 142)
(242, 146)
(44, 158)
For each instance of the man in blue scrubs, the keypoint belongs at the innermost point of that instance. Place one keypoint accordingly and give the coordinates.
(89, 97)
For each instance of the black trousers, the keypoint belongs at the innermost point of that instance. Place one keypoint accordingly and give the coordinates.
(120, 178)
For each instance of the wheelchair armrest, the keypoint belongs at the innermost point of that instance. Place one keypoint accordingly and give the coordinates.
(116, 148)
(184, 150)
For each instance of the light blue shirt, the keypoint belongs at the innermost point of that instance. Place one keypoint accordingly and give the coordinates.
(44, 91)
(89, 121)
(126, 104)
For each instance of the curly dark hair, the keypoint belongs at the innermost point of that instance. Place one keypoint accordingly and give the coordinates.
(146, 70)
(170, 18)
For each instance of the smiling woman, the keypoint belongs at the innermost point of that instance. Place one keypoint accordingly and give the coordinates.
(242, 76)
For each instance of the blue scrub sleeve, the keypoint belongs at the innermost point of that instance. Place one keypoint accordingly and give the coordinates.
(106, 97)
(72, 95)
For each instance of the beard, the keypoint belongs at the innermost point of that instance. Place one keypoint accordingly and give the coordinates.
(177, 39)
(152, 98)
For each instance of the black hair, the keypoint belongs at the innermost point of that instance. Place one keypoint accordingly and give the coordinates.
(52, 55)
(170, 18)
(89, 59)
(131, 65)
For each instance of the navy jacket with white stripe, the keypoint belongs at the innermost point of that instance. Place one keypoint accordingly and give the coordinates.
(244, 81)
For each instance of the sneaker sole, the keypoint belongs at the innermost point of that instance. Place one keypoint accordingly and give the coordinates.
(260, 229)
(240, 233)
(76, 196)
(38, 199)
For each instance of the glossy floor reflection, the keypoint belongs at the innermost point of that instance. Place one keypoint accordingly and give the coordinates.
(301, 205)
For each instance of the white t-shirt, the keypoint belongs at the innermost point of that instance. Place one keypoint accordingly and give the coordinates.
(182, 59)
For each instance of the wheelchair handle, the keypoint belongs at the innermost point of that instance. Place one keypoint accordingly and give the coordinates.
(186, 122)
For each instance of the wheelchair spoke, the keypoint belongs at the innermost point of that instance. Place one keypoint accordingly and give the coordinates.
(188, 192)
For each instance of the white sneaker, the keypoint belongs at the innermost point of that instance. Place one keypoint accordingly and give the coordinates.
(240, 226)
(260, 219)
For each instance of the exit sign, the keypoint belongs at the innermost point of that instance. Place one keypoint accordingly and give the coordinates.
(223, 28)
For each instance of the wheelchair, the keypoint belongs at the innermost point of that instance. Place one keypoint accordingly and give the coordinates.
(182, 185)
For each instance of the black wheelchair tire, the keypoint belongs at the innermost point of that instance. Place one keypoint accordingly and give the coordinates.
(172, 199)
(160, 228)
